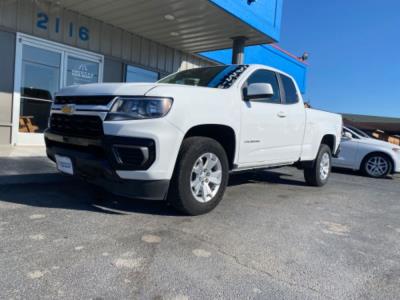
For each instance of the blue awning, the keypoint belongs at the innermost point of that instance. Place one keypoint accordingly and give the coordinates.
(262, 15)
(269, 55)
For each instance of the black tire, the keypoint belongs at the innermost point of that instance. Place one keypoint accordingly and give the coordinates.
(312, 174)
(365, 170)
(180, 194)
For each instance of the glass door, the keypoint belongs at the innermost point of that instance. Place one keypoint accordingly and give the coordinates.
(40, 80)
(42, 68)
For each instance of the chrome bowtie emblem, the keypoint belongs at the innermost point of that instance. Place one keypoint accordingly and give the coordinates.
(68, 109)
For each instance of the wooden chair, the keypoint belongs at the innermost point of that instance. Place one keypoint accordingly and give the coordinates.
(26, 125)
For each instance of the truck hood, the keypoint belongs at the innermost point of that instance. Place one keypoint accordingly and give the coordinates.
(118, 89)
(134, 89)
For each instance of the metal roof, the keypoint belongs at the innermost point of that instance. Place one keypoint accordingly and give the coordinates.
(189, 25)
(389, 125)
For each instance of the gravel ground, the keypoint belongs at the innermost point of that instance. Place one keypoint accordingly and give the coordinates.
(272, 237)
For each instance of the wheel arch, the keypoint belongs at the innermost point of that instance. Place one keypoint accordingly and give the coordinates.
(330, 141)
(223, 134)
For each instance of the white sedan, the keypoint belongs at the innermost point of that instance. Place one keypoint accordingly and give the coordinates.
(373, 157)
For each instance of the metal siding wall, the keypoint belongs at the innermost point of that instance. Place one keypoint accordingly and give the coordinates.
(126, 45)
(169, 60)
(136, 46)
(7, 54)
(161, 58)
(116, 40)
(25, 17)
(153, 54)
(8, 13)
(95, 35)
(177, 60)
(105, 39)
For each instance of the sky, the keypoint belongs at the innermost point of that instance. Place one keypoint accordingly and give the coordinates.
(354, 47)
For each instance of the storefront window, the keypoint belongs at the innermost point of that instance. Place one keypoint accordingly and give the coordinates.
(40, 79)
(135, 74)
(81, 71)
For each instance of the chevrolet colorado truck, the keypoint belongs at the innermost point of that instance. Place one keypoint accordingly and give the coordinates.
(180, 138)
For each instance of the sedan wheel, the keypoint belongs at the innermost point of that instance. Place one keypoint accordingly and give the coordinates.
(377, 166)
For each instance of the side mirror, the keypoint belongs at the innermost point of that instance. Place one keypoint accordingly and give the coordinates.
(347, 136)
(258, 91)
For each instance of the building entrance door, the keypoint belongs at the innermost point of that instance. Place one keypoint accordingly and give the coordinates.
(42, 68)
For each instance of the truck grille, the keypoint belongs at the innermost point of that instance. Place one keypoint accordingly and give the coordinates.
(84, 100)
(77, 125)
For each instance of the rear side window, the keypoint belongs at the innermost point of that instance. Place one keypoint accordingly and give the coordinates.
(290, 90)
(265, 76)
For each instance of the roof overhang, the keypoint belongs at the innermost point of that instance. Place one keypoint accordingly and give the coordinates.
(389, 125)
(188, 25)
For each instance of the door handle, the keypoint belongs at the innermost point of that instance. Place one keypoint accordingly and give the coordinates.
(281, 114)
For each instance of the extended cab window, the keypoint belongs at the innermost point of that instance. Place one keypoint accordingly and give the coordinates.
(291, 96)
(265, 76)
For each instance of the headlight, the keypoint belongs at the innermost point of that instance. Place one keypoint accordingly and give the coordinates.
(131, 108)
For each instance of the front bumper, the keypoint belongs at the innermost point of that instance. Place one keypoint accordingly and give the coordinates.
(97, 161)
(397, 165)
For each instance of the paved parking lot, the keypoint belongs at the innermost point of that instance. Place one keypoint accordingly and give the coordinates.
(272, 237)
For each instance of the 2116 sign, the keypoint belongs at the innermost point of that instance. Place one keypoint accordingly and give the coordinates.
(43, 23)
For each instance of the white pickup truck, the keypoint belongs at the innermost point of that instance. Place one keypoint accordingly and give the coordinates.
(180, 138)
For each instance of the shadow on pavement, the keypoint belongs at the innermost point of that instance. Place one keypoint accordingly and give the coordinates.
(73, 194)
(359, 174)
(266, 176)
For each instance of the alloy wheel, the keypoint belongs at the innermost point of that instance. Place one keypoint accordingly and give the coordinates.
(325, 166)
(377, 166)
(206, 177)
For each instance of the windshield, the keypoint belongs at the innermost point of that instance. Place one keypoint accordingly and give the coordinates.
(221, 77)
(358, 131)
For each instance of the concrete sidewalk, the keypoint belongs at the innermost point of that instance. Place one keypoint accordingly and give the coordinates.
(25, 164)
(22, 151)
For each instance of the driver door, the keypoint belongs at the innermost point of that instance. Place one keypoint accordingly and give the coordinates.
(262, 124)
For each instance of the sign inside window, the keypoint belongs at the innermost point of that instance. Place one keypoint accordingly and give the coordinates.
(82, 71)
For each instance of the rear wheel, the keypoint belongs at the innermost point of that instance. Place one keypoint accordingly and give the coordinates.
(376, 165)
(319, 173)
(200, 176)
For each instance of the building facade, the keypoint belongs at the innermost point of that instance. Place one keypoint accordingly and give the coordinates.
(46, 45)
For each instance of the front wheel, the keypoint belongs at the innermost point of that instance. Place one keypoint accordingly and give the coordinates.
(319, 173)
(200, 176)
(377, 165)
